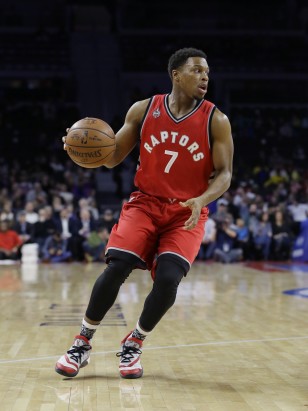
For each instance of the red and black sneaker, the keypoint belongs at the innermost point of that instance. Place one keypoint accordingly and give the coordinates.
(130, 366)
(78, 356)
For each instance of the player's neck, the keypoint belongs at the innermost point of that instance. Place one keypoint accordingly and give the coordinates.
(180, 105)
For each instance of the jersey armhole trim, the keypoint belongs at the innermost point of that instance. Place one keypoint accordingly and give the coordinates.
(146, 113)
(209, 128)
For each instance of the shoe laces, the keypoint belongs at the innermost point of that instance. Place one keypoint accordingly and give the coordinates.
(127, 353)
(76, 352)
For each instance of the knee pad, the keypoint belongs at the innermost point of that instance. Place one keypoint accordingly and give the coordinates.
(170, 269)
(125, 256)
(118, 269)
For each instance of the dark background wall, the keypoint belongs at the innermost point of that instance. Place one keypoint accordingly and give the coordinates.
(62, 60)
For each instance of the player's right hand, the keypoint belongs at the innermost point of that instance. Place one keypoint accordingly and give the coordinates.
(63, 139)
(195, 204)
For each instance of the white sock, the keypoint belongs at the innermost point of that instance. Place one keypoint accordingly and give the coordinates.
(87, 329)
(139, 332)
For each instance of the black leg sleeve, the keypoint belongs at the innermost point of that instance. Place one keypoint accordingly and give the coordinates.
(169, 273)
(107, 286)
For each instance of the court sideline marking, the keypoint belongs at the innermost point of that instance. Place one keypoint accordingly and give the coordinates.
(167, 347)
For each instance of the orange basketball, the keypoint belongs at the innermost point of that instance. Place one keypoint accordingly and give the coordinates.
(89, 142)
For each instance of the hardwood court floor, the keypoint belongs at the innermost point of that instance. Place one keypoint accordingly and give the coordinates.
(234, 341)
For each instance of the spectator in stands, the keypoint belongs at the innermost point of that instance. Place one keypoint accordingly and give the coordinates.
(49, 213)
(226, 250)
(42, 229)
(282, 237)
(66, 222)
(243, 237)
(57, 203)
(209, 240)
(23, 228)
(55, 249)
(7, 212)
(107, 219)
(94, 245)
(10, 242)
(37, 195)
(233, 209)
(4, 192)
(221, 212)
(17, 196)
(31, 215)
(93, 208)
(239, 196)
(65, 194)
(298, 210)
(243, 209)
(82, 187)
(85, 224)
(262, 237)
(253, 217)
(83, 202)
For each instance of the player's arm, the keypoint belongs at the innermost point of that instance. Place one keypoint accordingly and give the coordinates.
(126, 138)
(129, 133)
(222, 154)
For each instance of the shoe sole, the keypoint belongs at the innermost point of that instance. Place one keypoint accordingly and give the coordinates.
(65, 374)
(132, 376)
(71, 375)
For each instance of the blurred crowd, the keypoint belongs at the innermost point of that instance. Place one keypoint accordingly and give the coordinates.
(245, 228)
(57, 207)
(61, 231)
(66, 210)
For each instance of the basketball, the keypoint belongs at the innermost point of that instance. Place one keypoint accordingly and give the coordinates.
(89, 142)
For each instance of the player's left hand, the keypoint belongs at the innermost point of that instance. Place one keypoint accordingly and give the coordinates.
(196, 206)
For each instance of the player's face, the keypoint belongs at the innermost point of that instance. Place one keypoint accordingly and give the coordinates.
(193, 77)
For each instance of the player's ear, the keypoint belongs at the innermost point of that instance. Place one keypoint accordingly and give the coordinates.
(175, 76)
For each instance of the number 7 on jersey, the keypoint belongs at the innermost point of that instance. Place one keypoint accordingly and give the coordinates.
(173, 155)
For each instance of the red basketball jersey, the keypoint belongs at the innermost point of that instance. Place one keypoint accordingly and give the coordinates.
(175, 153)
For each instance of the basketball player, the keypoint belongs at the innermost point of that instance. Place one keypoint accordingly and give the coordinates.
(183, 140)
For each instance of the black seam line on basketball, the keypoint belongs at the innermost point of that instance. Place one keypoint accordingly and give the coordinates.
(89, 147)
(92, 162)
(94, 129)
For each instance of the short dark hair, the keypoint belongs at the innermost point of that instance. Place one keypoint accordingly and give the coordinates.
(181, 56)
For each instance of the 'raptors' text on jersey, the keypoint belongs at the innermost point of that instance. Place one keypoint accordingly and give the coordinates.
(175, 153)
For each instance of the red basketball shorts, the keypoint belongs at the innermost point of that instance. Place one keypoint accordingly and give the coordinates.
(149, 227)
